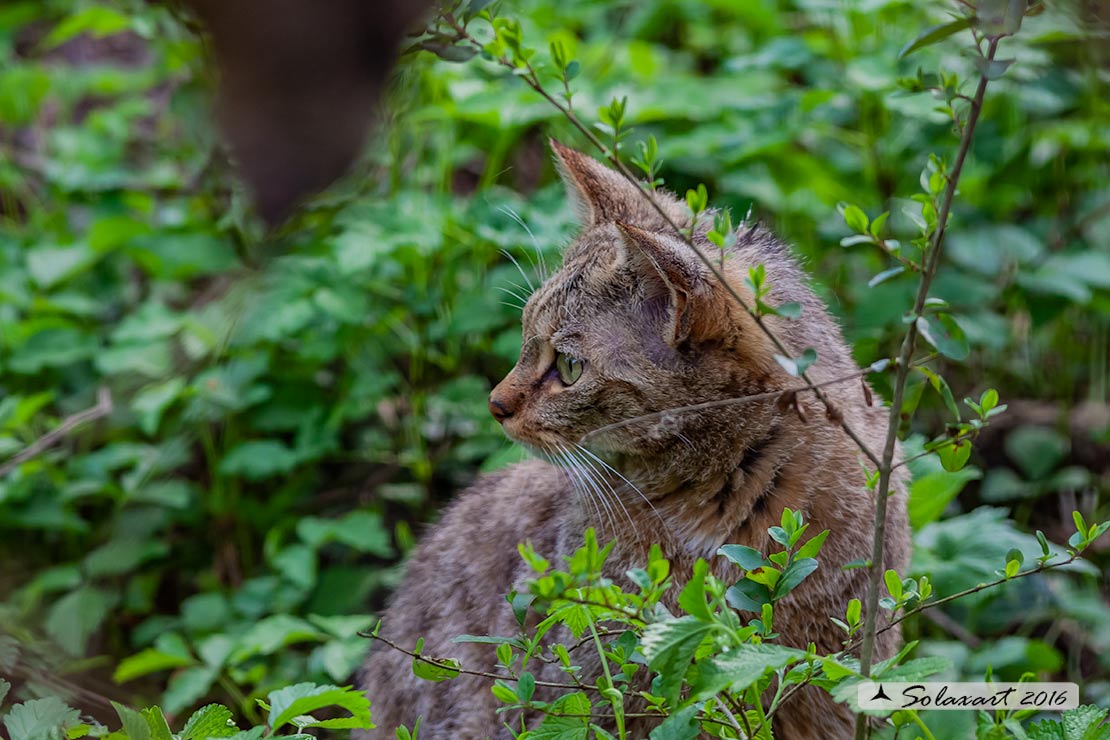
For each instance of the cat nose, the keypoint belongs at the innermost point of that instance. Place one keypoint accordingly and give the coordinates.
(498, 409)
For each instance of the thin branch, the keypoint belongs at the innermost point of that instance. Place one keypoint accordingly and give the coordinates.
(468, 672)
(102, 408)
(902, 373)
(721, 402)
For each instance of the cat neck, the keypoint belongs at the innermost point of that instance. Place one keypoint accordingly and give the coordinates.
(704, 494)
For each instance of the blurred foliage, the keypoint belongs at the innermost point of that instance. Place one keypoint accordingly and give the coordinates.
(288, 410)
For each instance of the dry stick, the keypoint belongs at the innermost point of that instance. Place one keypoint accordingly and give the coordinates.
(532, 80)
(901, 374)
(102, 408)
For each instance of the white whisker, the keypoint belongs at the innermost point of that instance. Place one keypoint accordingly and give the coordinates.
(582, 493)
(520, 269)
(584, 477)
(628, 482)
(542, 266)
(601, 479)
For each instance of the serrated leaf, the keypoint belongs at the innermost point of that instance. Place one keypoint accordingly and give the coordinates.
(209, 721)
(568, 719)
(669, 646)
(39, 719)
(740, 668)
(304, 698)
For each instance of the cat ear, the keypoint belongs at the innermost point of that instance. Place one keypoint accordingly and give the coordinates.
(601, 194)
(671, 276)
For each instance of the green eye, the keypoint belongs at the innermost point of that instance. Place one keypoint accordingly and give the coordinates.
(569, 368)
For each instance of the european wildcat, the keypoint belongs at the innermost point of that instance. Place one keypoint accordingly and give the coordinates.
(633, 323)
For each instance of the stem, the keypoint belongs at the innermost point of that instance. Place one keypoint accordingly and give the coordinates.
(922, 725)
(901, 374)
(616, 701)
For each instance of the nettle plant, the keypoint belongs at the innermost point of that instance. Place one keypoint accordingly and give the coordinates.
(715, 667)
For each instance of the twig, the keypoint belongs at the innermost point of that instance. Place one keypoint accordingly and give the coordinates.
(102, 408)
(482, 674)
(720, 402)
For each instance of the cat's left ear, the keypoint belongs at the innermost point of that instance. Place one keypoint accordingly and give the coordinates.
(601, 194)
(672, 278)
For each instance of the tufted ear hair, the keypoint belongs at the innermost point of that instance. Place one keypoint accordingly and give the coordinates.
(604, 195)
(671, 278)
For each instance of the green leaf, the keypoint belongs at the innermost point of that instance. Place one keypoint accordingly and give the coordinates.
(954, 456)
(855, 218)
(213, 720)
(941, 331)
(740, 668)
(303, 698)
(444, 669)
(935, 34)
(794, 574)
(557, 726)
(930, 493)
(796, 366)
(40, 719)
(148, 661)
(97, 21)
(258, 460)
(1036, 450)
(746, 557)
(693, 598)
(134, 724)
(669, 646)
(187, 687)
(893, 583)
(75, 616)
(159, 728)
(680, 725)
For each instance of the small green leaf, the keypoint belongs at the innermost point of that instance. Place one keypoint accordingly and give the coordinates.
(934, 34)
(746, 557)
(944, 334)
(443, 669)
(954, 456)
(893, 583)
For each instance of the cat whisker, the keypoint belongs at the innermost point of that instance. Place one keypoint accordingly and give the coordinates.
(557, 459)
(513, 293)
(520, 269)
(612, 493)
(584, 477)
(629, 483)
(542, 266)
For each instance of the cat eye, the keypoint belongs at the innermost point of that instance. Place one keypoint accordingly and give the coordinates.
(569, 368)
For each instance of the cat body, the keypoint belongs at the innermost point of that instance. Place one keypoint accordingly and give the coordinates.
(634, 324)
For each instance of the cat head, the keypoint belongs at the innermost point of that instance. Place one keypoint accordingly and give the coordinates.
(633, 323)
